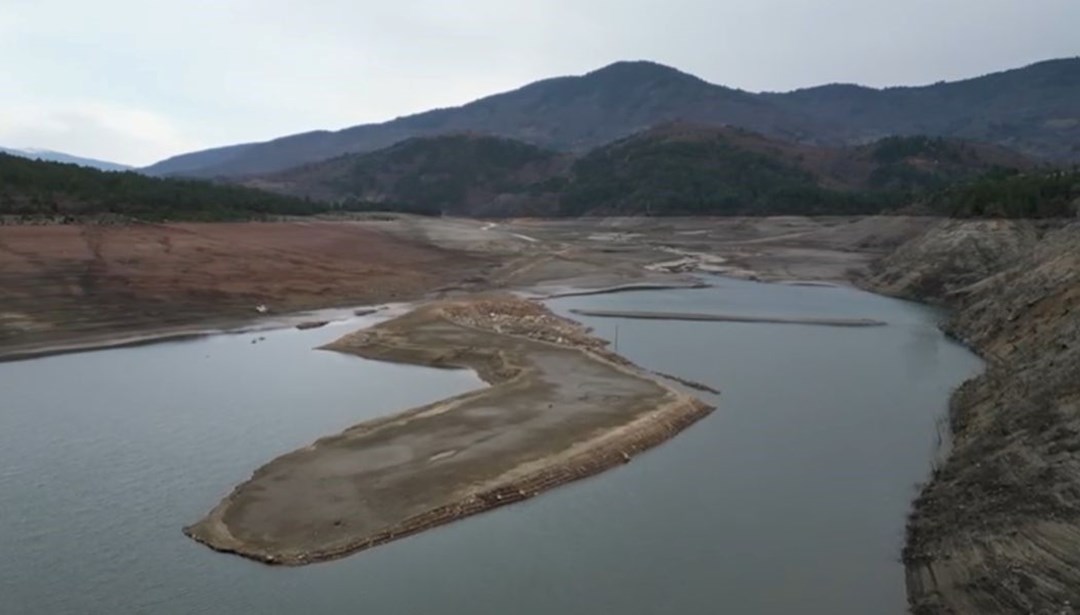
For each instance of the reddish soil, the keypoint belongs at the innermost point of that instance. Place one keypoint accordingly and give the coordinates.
(64, 283)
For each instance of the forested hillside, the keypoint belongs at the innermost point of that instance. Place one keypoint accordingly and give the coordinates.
(454, 174)
(34, 188)
(676, 168)
(1005, 194)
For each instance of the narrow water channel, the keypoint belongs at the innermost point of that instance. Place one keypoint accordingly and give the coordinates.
(790, 498)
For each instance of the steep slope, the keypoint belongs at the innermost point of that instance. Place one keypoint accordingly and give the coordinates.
(997, 529)
(1035, 110)
(34, 188)
(676, 168)
(454, 174)
(51, 156)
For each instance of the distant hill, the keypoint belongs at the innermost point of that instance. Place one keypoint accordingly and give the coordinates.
(453, 174)
(1033, 110)
(675, 168)
(36, 189)
(51, 156)
(1005, 194)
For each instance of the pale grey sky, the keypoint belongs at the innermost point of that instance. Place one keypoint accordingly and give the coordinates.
(137, 80)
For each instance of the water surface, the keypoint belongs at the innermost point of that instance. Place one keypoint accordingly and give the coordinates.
(790, 498)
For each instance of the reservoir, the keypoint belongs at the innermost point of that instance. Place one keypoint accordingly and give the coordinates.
(791, 497)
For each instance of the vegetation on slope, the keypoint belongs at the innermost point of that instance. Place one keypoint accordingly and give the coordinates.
(917, 165)
(1009, 194)
(34, 188)
(705, 175)
(453, 174)
(673, 169)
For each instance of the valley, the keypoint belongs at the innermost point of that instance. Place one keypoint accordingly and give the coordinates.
(1006, 487)
(858, 309)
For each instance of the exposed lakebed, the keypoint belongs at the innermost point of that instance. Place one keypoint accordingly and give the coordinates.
(790, 498)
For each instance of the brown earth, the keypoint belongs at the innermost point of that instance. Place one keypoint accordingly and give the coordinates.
(997, 528)
(67, 284)
(560, 408)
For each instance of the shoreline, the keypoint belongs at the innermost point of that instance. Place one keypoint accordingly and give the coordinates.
(995, 528)
(642, 315)
(180, 333)
(233, 325)
(635, 412)
(623, 288)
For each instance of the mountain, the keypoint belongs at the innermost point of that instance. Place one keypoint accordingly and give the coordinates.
(565, 113)
(1034, 110)
(36, 188)
(673, 168)
(51, 156)
(456, 174)
(696, 170)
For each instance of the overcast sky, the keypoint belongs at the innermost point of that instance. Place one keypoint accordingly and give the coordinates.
(135, 81)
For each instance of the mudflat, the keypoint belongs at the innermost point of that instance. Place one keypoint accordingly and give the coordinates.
(75, 287)
(67, 285)
(560, 407)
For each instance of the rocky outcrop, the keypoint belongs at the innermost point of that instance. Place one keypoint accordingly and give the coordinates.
(945, 260)
(997, 528)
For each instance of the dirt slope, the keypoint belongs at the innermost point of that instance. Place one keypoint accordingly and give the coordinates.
(997, 529)
(62, 282)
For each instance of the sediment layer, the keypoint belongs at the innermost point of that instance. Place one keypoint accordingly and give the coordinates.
(561, 407)
(997, 528)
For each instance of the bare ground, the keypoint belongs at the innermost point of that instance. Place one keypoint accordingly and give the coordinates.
(997, 528)
(68, 286)
(62, 285)
(560, 408)
(994, 531)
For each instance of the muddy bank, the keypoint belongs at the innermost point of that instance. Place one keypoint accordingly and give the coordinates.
(829, 322)
(81, 286)
(180, 333)
(75, 285)
(560, 407)
(997, 528)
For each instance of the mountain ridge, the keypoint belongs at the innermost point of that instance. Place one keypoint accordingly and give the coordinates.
(1034, 109)
(676, 167)
(48, 155)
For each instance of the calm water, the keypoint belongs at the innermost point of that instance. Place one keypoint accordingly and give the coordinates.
(790, 498)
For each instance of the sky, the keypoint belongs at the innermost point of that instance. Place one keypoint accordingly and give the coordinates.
(135, 81)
